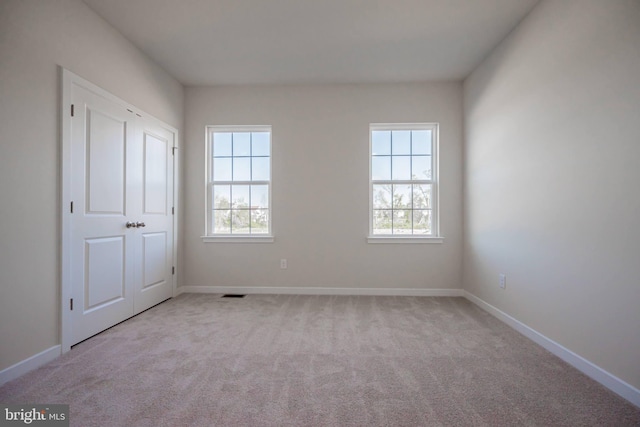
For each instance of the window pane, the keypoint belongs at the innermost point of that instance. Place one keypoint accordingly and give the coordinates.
(239, 196)
(260, 144)
(241, 144)
(402, 221)
(222, 169)
(421, 167)
(260, 168)
(221, 144)
(401, 142)
(259, 196)
(240, 221)
(381, 168)
(421, 142)
(401, 167)
(382, 196)
(259, 221)
(241, 168)
(381, 142)
(422, 196)
(382, 221)
(222, 221)
(422, 222)
(402, 196)
(221, 196)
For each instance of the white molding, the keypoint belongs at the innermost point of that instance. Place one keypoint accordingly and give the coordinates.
(65, 223)
(239, 128)
(29, 364)
(322, 291)
(238, 239)
(588, 368)
(176, 211)
(404, 239)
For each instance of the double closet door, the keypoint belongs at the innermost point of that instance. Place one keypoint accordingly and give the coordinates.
(121, 222)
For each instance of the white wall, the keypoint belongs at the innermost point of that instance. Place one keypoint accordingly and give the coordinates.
(320, 187)
(552, 151)
(35, 37)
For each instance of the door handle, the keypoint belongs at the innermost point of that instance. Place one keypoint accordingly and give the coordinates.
(130, 224)
(140, 224)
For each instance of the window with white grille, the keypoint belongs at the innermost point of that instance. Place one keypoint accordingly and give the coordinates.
(239, 181)
(403, 180)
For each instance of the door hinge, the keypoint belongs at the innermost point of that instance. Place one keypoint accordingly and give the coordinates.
(71, 304)
(173, 270)
(71, 207)
(173, 150)
(173, 210)
(72, 110)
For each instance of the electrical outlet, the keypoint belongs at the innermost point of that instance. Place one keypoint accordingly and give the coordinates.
(503, 280)
(283, 263)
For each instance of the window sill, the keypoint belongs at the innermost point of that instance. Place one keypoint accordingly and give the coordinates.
(404, 239)
(238, 239)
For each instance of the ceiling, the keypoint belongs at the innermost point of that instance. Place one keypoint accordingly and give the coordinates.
(216, 42)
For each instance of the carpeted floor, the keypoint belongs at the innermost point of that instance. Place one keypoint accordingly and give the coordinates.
(283, 360)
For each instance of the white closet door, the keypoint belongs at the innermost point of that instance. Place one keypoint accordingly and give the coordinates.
(104, 150)
(154, 240)
(121, 228)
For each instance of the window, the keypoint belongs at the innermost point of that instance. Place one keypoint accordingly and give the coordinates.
(403, 183)
(239, 183)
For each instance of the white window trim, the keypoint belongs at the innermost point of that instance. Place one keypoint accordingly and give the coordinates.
(389, 238)
(238, 238)
(435, 237)
(208, 236)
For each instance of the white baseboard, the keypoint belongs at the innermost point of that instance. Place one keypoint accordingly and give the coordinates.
(593, 371)
(321, 291)
(29, 364)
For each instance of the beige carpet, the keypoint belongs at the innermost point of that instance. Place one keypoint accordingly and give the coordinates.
(269, 360)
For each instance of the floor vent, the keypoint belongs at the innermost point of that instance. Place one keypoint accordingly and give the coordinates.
(233, 296)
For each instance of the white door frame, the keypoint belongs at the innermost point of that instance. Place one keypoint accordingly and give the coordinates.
(70, 79)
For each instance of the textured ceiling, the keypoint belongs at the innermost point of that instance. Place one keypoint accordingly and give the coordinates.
(213, 42)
